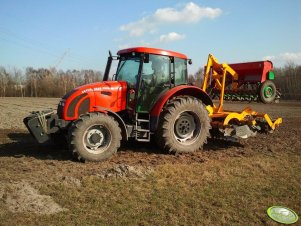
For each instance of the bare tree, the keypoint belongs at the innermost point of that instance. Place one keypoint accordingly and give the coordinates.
(288, 80)
(4, 78)
(19, 87)
(198, 76)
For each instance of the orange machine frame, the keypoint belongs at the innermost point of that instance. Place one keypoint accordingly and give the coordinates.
(218, 72)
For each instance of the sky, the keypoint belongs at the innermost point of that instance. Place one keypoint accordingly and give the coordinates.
(77, 34)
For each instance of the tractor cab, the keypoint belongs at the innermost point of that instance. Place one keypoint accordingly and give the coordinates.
(149, 73)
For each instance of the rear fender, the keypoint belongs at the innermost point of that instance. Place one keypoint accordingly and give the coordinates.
(183, 90)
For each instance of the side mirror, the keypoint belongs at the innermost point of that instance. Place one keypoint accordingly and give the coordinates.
(189, 61)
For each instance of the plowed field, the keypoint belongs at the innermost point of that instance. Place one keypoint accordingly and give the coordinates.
(226, 183)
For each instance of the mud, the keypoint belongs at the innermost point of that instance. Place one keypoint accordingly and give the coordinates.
(126, 171)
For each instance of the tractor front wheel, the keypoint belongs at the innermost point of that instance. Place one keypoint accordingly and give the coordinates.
(267, 92)
(184, 126)
(94, 137)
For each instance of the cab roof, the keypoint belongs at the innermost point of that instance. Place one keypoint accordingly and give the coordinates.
(152, 51)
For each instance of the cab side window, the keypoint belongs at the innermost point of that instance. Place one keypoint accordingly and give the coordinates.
(157, 69)
(180, 71)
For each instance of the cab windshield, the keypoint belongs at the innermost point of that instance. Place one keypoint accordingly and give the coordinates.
(128, 69)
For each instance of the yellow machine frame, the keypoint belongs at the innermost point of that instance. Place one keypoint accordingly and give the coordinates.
(221, 118)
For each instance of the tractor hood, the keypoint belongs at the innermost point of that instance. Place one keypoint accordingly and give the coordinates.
(100, 96)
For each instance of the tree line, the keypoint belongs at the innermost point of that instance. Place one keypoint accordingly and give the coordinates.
(288, 80)
(44, 82)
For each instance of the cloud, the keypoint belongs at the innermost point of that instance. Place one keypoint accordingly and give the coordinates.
(294, 57)
(283, 58)
(170, 37)
(138, 28)
(189, 13)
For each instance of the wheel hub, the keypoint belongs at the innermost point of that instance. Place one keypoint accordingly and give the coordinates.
(184, 127)
(95, 138)
(268, 91)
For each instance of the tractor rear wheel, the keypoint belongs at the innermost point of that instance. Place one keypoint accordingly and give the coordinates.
(184, 126)
(267, 92)
(94, 137)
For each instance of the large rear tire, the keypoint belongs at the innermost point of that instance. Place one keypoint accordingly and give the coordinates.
(267, 92)
(94, 137)
(184, 126)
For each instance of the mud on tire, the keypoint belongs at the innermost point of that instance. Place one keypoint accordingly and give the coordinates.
(184, 126)
(94, 137)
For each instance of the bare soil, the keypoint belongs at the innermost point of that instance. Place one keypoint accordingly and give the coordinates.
(15, 140)
(28, 169)
(14, 109)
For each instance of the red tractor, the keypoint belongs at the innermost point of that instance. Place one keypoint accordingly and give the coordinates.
(148, 98)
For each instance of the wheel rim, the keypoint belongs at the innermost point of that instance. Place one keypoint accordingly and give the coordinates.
(96, 139)
(187, 128)
(268, 92)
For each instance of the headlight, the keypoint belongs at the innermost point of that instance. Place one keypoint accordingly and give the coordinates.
(62, 103)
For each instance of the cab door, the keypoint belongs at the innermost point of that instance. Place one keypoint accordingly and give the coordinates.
(154, 81)
(128, 70)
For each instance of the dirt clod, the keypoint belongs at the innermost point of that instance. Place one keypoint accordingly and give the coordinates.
(22, 197)
(67, 180)
(126, 171)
